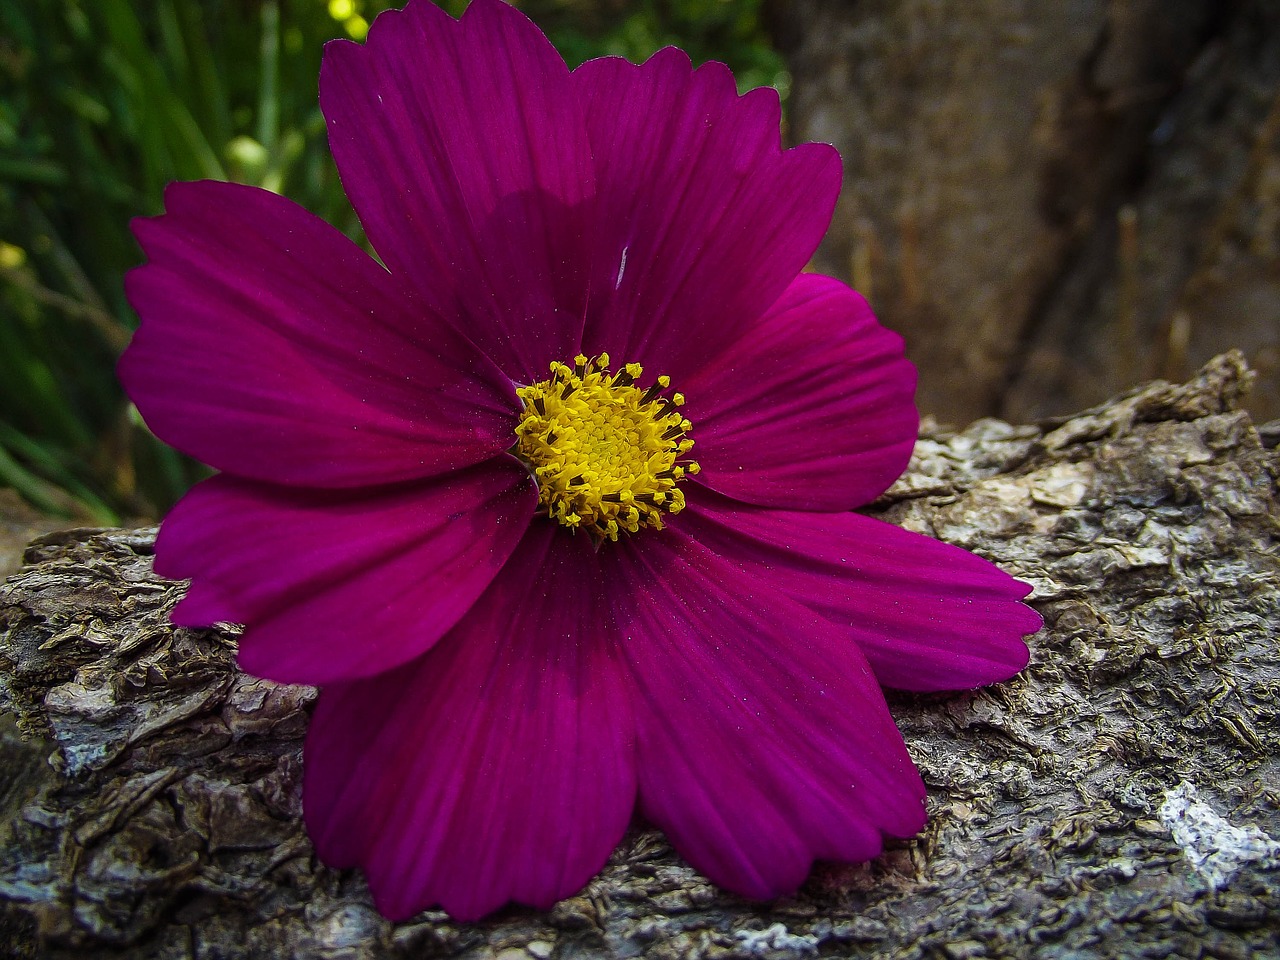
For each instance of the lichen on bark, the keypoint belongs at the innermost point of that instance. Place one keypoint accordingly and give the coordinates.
(168, 824)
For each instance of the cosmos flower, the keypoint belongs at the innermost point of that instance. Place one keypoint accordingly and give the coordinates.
(556, 506)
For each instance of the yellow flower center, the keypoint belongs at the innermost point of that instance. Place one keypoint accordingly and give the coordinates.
(604, 451)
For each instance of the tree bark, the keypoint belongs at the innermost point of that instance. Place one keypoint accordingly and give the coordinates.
(1064, 821)
(1051, 200)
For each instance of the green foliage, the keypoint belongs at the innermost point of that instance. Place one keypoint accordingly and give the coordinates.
(726, 30)
(104, 102)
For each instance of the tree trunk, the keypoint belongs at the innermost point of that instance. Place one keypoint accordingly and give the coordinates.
(1064, 820)
(1051, 200)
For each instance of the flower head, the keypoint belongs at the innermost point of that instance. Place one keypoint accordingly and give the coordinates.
(555, 506)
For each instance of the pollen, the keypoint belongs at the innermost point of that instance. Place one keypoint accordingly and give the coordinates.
(607, 455)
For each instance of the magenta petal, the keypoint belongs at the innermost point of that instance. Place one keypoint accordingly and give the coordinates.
(704, 219)
(764, 741)
(272, 347)
(928, 615)
(335, 586)
(462, 148)
(499, 766)
(811, 409)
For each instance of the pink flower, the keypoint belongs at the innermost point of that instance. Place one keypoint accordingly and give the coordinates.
(490, 543)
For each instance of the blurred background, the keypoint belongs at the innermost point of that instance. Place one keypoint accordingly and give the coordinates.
(1051, 201)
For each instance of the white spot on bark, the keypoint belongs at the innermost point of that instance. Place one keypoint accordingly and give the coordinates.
(759, 943)
(1216, 847)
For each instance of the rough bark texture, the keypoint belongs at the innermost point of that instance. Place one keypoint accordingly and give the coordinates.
(1074, 195)
(168, 823)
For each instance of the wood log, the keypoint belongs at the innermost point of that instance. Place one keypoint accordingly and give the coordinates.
(1117, 799)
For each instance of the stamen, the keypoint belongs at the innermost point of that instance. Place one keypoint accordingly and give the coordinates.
(603, 457)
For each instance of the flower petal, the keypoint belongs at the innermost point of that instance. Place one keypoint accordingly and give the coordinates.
(462, 148)
(704, 219)
(811, 409)
(274, 348)
(763, 741)
(927, 615)
(499, 766)
(335, 586)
